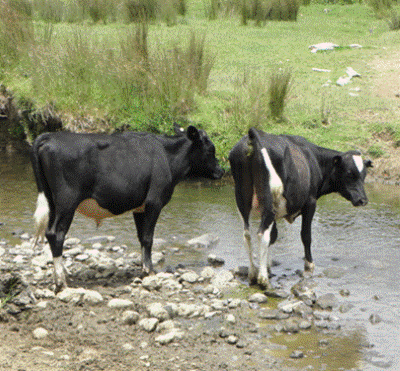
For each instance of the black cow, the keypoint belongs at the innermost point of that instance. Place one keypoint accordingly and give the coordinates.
(103, 175)
(283, 176)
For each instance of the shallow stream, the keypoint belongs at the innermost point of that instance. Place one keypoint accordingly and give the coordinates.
(363, 244)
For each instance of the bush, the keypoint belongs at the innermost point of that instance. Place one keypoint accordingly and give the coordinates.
(394, 22)
(263, 10)
(278, 89)
(380, 7)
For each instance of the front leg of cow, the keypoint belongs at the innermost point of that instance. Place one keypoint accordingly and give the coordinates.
(145, 225)
(307, 216)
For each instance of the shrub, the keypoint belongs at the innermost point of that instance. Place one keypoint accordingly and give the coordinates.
(262, 10)
(278, 89)
(394, 22)
(380, 7)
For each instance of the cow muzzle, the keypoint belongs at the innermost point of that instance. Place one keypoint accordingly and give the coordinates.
(360, 202)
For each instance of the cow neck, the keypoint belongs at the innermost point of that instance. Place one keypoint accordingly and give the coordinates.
(178, 149)
(325, 159)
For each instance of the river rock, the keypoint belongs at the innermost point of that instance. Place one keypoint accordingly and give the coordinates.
(214, 260)
(129, 317)
(71, 242)
(204, 241)
(190, 277)
(208, 273)
(151, 283)
(148, 324)
(222, 278)
(297, 354)
(327, 301)
(375, 319)
(280, 294)
(76, 295)
(288, 306)
(158, 311)
(119, 303)
(157, 258)
(40, 333)
(169, 337)
(258, 298)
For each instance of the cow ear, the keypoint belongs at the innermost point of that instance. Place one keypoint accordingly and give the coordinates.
(368, 163)
(193, 134)
(178, 130)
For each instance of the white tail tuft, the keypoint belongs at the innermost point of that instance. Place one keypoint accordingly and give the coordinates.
(41, 217)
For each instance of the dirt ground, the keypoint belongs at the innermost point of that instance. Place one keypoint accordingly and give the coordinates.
(92, 337)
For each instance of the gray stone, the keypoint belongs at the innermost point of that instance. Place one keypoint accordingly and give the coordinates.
(130, 317)
(258, 298)
(157, 258)
(158, 311)
(71, 242)
(208, 273)
(288, 306)
(327, 301)
(148, 324)
(269, 314)
(297, 354)
(375, 319)
(190, 277)
(204, 241)
(222, 278)
(291, 325)
(76, 295)
(214, 260)
(151, 283)
(280, 294)
(40, 333)
(346, 307)
(304, 325)
(232, 339)
(119, 303)
(169, 337)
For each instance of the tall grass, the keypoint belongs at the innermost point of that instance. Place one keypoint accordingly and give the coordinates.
(129, 84)
(16, 35)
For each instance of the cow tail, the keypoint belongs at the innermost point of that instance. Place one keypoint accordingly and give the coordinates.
(41, 215)
(275, 182)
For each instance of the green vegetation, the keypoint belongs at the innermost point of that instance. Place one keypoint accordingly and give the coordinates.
(224, 65)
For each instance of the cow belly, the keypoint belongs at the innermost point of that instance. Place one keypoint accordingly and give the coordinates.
(91, 209)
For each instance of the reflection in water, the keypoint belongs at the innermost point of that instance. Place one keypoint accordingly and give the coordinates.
(363, 242)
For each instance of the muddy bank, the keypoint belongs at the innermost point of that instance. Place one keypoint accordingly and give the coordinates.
(110, 319)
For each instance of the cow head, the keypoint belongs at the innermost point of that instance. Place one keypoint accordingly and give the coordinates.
(347, 176)
(203, 162)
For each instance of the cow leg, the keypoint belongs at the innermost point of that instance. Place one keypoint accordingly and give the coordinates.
(58, 227)
(145, 225)
(266, 234)
(307, 216)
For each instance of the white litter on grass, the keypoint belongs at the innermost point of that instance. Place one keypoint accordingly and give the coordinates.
(344, 80)
(322, 46)
(320, 70)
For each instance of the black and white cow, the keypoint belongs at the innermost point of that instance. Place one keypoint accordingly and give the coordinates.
(283, 176)
(103, 175)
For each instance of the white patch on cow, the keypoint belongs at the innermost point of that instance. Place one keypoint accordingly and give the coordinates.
(59, 273)
(91, 209)
(276, 186)
(359, 162)
(41, 216)
(264, 240)
(275, 181)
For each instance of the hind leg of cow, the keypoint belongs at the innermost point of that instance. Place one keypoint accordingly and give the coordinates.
(307, 216)
(145, 225)
(266, 235)
(58, 227)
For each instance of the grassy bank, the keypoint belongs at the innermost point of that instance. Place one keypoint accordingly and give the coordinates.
(106, 73)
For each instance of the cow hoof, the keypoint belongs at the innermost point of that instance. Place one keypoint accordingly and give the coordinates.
(264, 282)
(309, 266)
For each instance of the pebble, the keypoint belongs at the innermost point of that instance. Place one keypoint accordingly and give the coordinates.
(119, 303)
(204, 241)
(130, 317)
(190, 277)
(327, 301)
(148, 324)
(258, 298)
(40, 333)
(297, 354)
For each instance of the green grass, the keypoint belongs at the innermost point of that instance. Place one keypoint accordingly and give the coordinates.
(80, 69)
